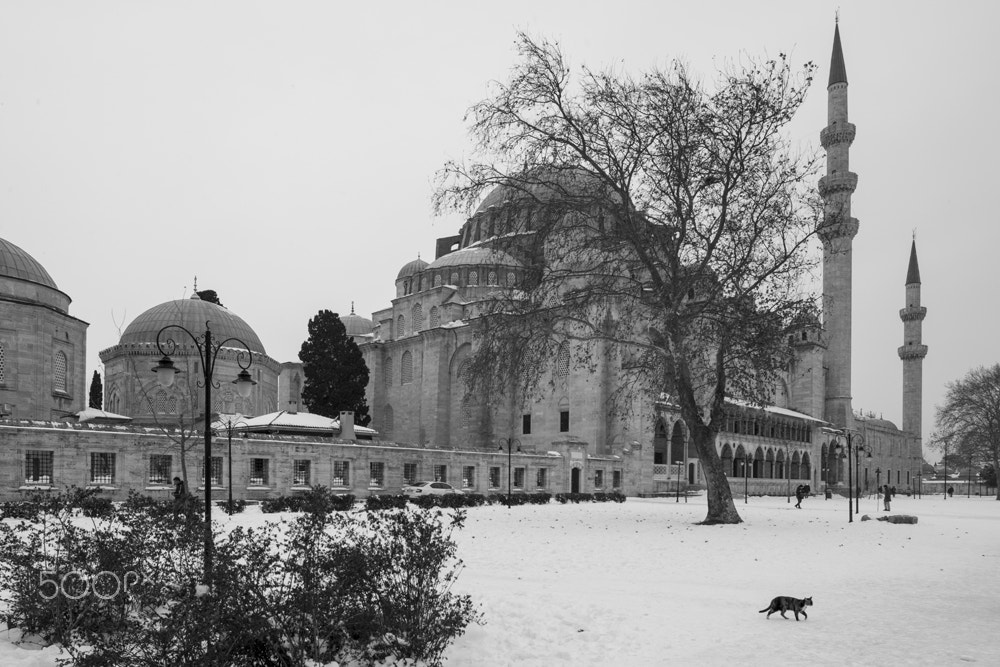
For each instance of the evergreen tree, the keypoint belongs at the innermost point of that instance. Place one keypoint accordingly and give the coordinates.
(335, 372)
(96, 392)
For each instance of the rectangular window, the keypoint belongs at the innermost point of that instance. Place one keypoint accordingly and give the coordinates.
(598, 479)
(38, 467)
(160, 466)
(216, 472)
(518, 478)
(300, 472)
(376, 470)
(258, 472)
(564, 421)
(410, 473)
(440, 473)
(468, 477)
(526, 424)
(494, 477)
(540, 478)
(616, 479)
(341, 473)
(102, 468)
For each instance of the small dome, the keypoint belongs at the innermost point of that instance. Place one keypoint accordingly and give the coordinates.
(475, 256)
(411, 268)
(15, 263)
(357, 325)
(191, 314)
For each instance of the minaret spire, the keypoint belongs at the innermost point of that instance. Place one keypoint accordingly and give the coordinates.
(837, 231)
(912, 353)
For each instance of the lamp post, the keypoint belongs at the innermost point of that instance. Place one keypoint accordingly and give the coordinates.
(788, 480)
(230, 425)
(878, 484)
(509, 443)
(678, 489)
(746, 478)
(858, 448)
(851, 439)
(208, 353)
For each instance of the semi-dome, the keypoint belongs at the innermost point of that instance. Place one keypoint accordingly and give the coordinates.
(191, 314)
(16, 263)
(475, 256)
(565, 184)
(411, 268)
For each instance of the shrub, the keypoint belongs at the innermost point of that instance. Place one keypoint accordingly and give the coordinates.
(237, 506)
(385, 502)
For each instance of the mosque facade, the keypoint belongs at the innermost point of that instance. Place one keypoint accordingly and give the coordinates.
(427, 425)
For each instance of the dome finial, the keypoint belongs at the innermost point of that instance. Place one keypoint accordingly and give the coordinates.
(352, 308)
(196, 284)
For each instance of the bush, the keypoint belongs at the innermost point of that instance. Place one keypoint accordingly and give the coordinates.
(237, 506)
(385, 502)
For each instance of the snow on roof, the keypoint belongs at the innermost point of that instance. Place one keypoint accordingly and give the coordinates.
(98, 415)
(773, 409)
(300, 421)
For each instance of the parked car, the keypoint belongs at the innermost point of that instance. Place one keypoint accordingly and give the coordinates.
(429, 488)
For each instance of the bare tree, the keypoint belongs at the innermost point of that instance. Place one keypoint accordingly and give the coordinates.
(665, 226)
(968, 422)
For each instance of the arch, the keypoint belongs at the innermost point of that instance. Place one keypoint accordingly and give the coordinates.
(805, 469)
(59, 367)
(418, 317)
(757, 463)
(739, 461)
(823, 462)
(387, 421)
(437, 280)
(677, 443)
(660, 443)
(454, 278)
(435, 318)
(794, 472)
(473, 278)
(781, 471)
(406, 368)
(768, 471)
(387, 372)
(727, 460)
(562, 360)
(491, 278)
(400, 326)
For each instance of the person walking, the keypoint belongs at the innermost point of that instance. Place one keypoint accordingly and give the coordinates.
(798, 496)
(887, 498)
(180, 495)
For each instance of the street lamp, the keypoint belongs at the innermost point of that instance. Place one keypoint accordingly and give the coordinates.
(878, 483)
(509, 443)
(678, 489)
(788, 480)
(852, 439)
(230, 425)
(208, 353)
(747, 460)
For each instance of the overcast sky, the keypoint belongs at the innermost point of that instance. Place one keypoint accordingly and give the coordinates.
(284, 152)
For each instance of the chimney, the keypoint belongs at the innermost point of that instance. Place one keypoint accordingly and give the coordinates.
(347, 425)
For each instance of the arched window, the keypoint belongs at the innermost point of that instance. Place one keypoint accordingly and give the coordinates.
(387, 372)
(59, 372)
(454, 278)
(473, 278)
(423, 283)
(418, 318)
(406, 368)
(172, 405)
(491, 278)
(160, 402)
(437, 280)
(387, 420)
(400, 326)
(511, 279)
(562, 360)
(435, 317)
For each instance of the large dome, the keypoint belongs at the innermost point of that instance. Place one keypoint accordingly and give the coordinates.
(191, 314)
(566, 185)
(411, 268)
(474, 256)
(16, 263)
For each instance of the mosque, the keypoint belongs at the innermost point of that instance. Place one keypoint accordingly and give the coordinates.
(426, 426)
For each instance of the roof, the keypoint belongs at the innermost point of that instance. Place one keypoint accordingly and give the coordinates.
(411, 268)
(355, 325)
(775, 410)
(284, 421)
(16, 263)
(913, 270)
(474, 256)
(192, 314)
(838, 70)
(98, 416)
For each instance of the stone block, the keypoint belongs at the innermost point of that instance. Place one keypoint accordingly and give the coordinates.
(899, 518)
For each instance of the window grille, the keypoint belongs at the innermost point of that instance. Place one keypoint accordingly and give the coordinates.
(216, 471)
(406, 368)
(400, 326)
(376, 470)
(410, 473)
(598, 479)
(387, 421)
(616, 479)
(300, 472)
(59, 372)
(540, 478)
(160, 466)
(518, 478)
(562, 360)
(38, 467)
(440, 473)
(454, 278)
(437, 280)
(258, 472)
(418, 318)
(491, 278)
(387, 372)
(435, 317)
(473, 278)
(102, 468)
(494, 477)
(511, 279)
(468, 477)
(160, 402)
(341, 473)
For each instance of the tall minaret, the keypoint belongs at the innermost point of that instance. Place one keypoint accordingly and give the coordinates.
(837, 231)
(912, 352)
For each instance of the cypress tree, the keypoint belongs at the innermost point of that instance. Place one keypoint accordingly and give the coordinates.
(334, 369)
(96, 392)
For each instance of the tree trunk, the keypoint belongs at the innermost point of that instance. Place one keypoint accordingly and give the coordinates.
(721, 508)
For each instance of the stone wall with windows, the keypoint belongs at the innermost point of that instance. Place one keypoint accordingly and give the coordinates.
(52, 456)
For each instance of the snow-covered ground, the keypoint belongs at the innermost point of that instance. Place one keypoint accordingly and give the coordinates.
(639, 583)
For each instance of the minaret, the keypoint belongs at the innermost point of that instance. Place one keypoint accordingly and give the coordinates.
(912, 352)
(837, 231)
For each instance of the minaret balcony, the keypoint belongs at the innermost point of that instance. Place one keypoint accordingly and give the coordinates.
(833, 228)
(845, 181)
(912, 313)
(912, 352)
(837, 133)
